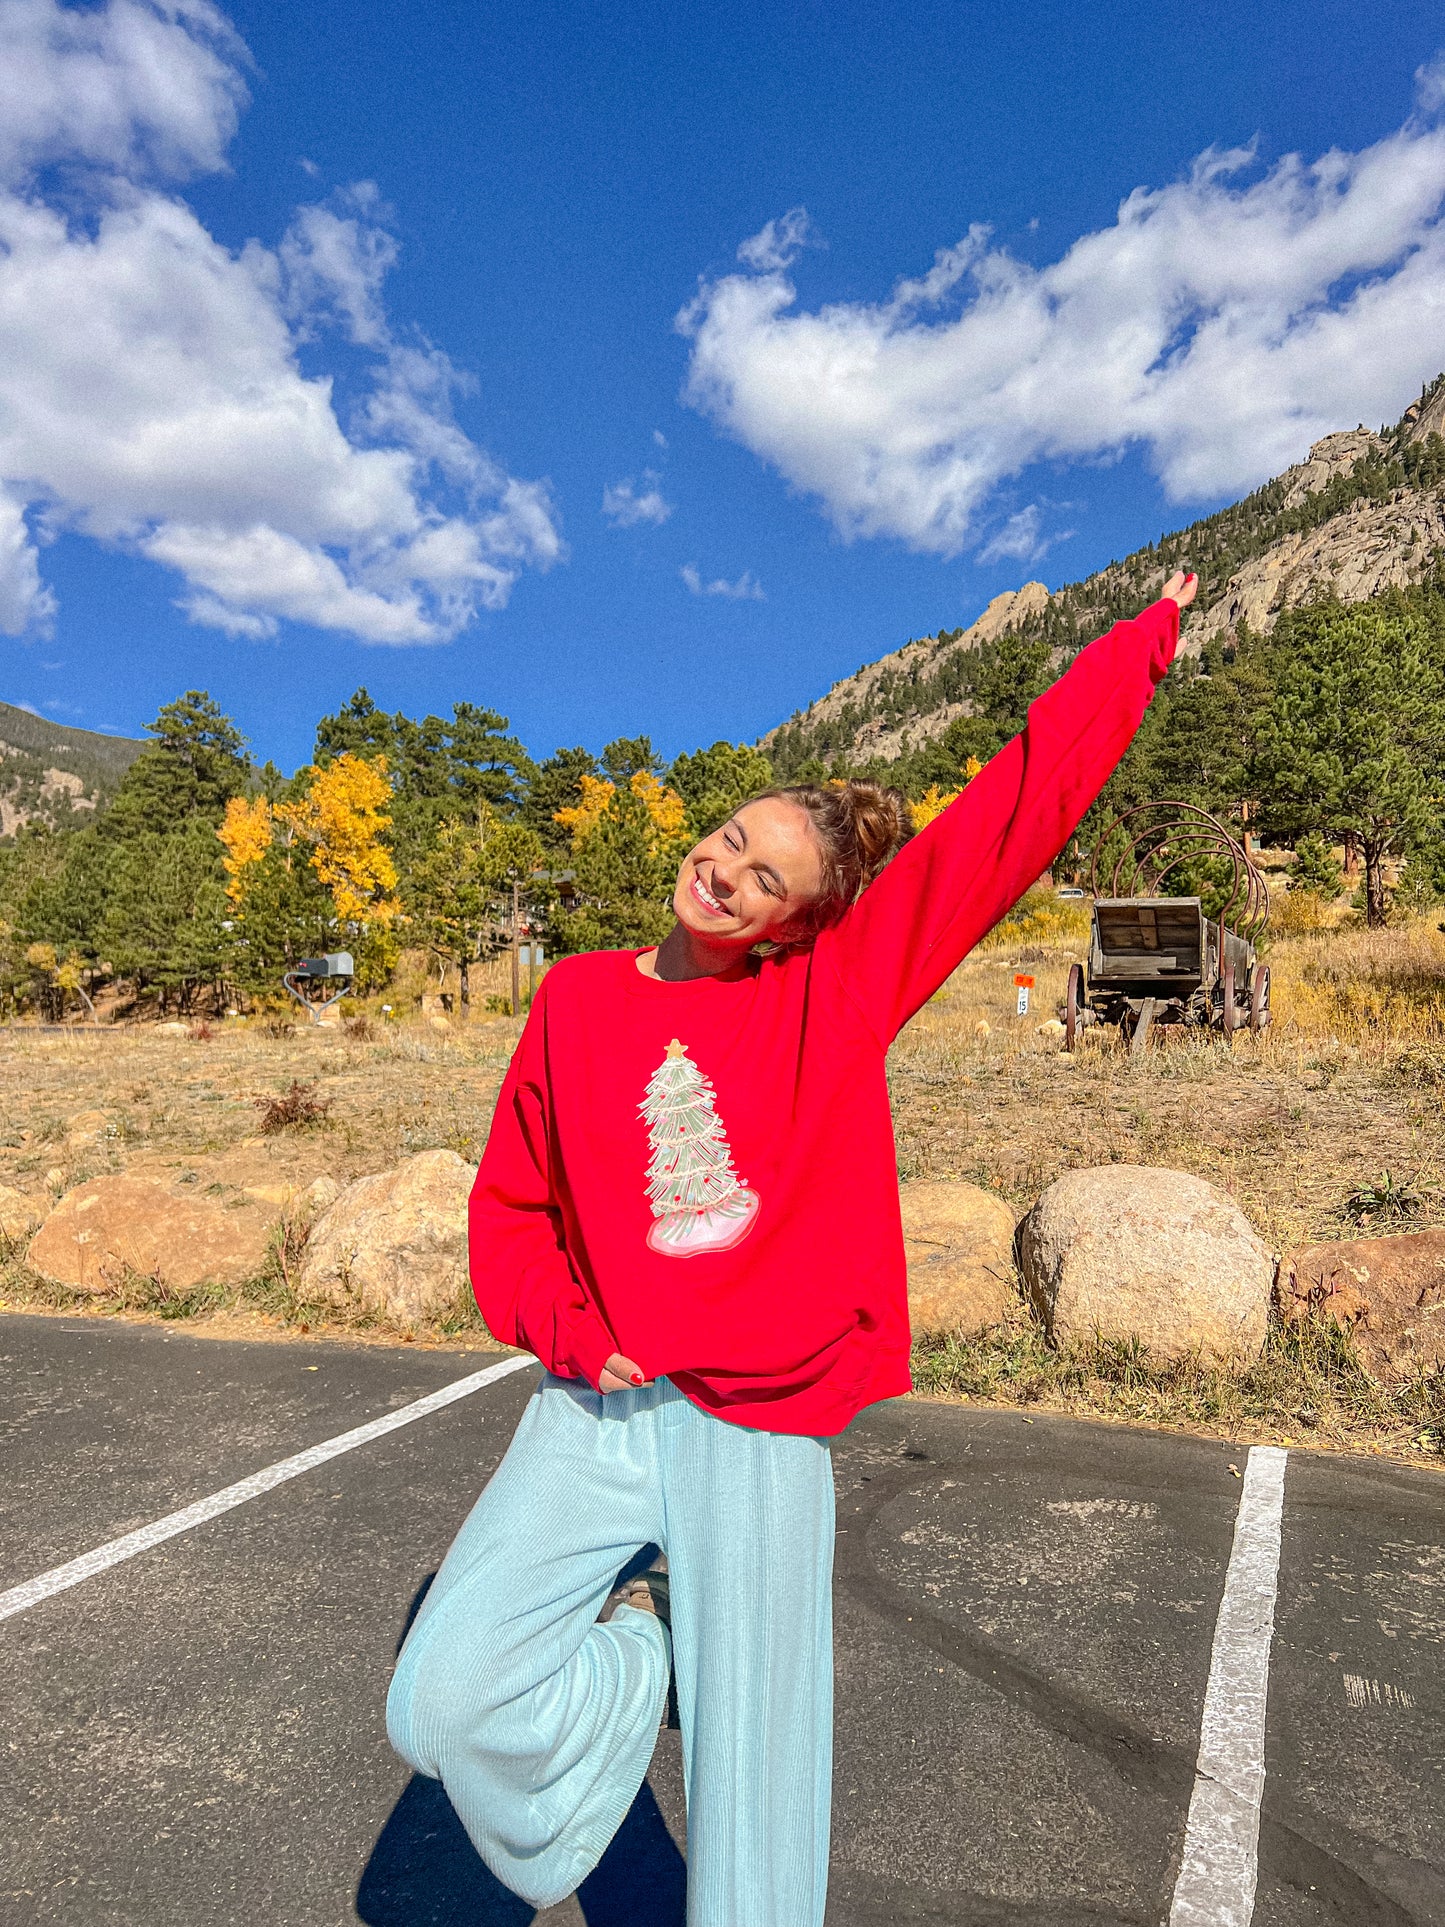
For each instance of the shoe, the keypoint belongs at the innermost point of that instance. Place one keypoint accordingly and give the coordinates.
(649, 1593)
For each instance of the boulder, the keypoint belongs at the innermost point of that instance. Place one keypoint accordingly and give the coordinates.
(18, 1214)
(395, 1243)
(959, 1244)
(86, 1127)
(1390, 1292)
(1128, 1251)
(103, 1230)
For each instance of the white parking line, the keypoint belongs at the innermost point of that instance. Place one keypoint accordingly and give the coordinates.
(1221, 1839)
(20, 1598)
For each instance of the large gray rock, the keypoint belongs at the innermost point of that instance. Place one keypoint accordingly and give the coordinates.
(395, 1243)
(1129, 1251)
(959, 1244)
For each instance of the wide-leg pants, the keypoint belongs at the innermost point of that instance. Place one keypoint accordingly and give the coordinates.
(540, 1723)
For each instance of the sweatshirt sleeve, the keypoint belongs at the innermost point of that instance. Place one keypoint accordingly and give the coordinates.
(949, 884)
(525, 1285)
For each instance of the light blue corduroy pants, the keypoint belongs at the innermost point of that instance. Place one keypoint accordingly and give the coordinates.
(540, 1723)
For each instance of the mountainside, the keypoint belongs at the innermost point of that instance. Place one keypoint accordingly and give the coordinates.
(1364, 512)
(53, 774)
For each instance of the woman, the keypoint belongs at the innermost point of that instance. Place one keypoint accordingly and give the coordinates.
(688, 1209)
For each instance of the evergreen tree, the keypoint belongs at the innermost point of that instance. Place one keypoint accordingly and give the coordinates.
(1316, 869)
(194, 766)
(629, 756)
(556, 785)
(624, 880)
(439, 770)
(68, 886)
(165, 910)
(1354, 741)
(713, 782)
(459, 895)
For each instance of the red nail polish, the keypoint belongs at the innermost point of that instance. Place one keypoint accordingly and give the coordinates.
(637, 1378)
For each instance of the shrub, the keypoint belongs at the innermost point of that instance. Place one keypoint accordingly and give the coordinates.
(293, 1109)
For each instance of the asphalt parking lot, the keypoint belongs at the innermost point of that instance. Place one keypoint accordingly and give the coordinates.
(1030, 1643)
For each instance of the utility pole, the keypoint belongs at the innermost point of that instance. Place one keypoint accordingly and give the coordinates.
(516, 952)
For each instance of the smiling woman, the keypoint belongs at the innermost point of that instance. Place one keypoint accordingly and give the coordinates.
(688, 1209)
(781, 868)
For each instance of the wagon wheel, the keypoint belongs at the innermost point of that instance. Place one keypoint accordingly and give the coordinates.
(1259, 999)
(1143, 1025)
(1073, 1005)
(1230, 1020)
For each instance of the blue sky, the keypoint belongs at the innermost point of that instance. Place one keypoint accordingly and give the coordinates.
(331, 328)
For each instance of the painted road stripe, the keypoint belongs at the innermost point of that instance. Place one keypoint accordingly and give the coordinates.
(20, 1598)
(1221, 1840)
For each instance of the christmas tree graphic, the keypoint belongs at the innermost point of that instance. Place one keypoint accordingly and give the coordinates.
(699, 1203)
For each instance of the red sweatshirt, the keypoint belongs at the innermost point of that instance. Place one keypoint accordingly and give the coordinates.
(702, 1175)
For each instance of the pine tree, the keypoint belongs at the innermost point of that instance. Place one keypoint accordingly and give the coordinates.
(699, 1203)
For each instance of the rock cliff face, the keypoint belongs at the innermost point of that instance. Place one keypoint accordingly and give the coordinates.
(1364, 511)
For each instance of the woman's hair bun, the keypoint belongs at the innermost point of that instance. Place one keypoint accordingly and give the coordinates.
(860, 825)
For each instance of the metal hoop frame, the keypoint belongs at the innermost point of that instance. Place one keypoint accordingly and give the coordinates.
(1162, 838)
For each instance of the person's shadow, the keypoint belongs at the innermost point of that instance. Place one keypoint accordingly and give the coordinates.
(425, 1872)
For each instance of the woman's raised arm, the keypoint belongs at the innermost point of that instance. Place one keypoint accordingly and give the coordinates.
(949, 884)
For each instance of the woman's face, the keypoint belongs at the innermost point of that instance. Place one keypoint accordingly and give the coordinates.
(752, 877)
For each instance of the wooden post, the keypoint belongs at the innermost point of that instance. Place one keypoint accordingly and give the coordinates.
(516, 954)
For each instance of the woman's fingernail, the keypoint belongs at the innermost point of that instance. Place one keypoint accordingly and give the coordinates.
(637, 1378)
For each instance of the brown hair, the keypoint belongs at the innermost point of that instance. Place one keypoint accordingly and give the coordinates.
(859, 826)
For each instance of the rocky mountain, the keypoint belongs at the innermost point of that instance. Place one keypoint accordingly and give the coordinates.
(1363, 512)
(53, 774)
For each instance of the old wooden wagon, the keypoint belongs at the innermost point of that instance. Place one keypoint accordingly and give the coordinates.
(1158, 958)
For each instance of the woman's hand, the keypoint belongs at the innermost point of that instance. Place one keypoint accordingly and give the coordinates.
(1180, 588)
(620, 1374)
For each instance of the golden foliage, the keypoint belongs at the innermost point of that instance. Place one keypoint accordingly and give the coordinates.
(933, 802)
(343, 815)
(664, 807)
(583, 818)
(666, 810)
(246, 833)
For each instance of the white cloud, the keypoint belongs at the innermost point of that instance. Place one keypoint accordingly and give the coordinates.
(747, 588)
(1221, 324)
(1430, 84)
(625, 504)
(152, 393)
(1017, 540)
(131, 86)
(775, 245)
(25, 602)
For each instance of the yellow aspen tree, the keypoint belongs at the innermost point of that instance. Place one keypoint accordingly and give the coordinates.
(933, 802)
(246, 833)
(582, 819)
(344, 816)
(665, 808)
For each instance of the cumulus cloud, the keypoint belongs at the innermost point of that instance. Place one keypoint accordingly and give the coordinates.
(1220, 324)
(152, 388)
(625, 504)
(747, 588)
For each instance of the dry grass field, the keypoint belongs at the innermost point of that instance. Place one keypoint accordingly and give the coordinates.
(1301, 1127)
